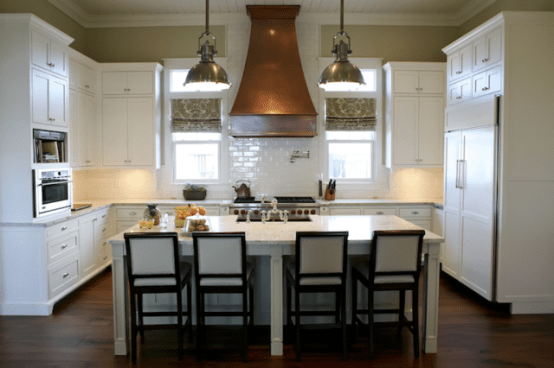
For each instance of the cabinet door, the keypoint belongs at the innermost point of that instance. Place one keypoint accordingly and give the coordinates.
(86, 239)
(39, 50)
(430, 130)
(453, 65)
(351, 211)
(487, 50)
(140, 134)
(466, 61)
(40, 113)
(88, 138)
(114, 127)
(58, 59)
(57, 101)
(426, 224)
(452, 202)
(487, 82)
(73, 139)
(405, 115)
(140, 83)
(431, 82)
(114, 83)
(405, 81)
(73, 73)
(460, 91)
(87, 80)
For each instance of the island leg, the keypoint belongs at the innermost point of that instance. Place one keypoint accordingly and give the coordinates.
(431, 298)
(276, 300)
(120, 308)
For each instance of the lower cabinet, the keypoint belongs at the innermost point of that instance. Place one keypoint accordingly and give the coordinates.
(93, 233)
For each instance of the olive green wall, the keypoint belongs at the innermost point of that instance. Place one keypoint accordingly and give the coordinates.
(50, 14)
(148, 44)
(505, 5)
(393, 43)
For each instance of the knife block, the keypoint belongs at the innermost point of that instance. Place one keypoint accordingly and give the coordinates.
(329, 194)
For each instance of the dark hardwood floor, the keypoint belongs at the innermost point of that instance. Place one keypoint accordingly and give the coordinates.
(472, 333)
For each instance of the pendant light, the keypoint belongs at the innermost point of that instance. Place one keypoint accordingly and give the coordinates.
(207, 75)
(342, 74)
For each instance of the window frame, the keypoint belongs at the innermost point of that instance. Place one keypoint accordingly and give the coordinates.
(376, 143)
(170, 158)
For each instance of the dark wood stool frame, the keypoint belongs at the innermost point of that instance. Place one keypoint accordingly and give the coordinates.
(373, 287)
(138, 291)
(338, 289)
(246, 289)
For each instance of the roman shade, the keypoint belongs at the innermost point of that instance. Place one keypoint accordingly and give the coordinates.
(350, 114)
(201, 115)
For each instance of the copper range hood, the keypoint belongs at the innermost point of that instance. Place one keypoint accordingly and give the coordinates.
(273, 98)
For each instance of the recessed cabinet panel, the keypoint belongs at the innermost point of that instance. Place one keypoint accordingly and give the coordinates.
(379, 211)
(405, 116)
(140, 82)
(39, 50)
(58, 59)
(460, 63)
(430, 130)
(351, 211)
(48, 54)
(487, 82)
(114, 120)
(431, 82)
(487, 49)
(405, 81)
(57, 102)
(114, 83)
(49, 100)
(139, 131)
(40, 98)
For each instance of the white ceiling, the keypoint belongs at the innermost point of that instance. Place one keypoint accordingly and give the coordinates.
(121, 13)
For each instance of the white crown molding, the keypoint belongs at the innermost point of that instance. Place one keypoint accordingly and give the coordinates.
(192, 19)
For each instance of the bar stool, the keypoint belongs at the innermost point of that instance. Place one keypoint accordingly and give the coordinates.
(220, 267)
(154, 267)
(394, 264)
(319, 267)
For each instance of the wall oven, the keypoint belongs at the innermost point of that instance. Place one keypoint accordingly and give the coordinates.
(52, 191)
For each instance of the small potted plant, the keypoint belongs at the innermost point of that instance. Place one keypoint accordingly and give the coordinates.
(194, 192)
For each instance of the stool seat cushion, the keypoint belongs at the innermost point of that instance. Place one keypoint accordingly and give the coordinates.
(291, 267)
(185, 268)
(227, 281)
(363, 268)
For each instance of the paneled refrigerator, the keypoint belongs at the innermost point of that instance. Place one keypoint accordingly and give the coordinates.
(470, 198)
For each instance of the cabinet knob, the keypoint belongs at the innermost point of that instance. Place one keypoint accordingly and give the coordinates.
(458, 97)
(459, 72)
(484, 88)
(64, 228)
(64, 246)
(380, 212)
(484, 60)
(132, 213)
(236, 212)
(312, 212)
(415, 212)
(65, 275)
(103, 216)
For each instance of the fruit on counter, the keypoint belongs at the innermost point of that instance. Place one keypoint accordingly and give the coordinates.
(146, 224)
(184, 211)
(197, 225)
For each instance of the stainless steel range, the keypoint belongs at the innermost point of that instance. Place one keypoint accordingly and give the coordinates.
(298, 208)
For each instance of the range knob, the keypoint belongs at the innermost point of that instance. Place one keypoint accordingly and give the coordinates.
(236, 212)
(306, 212)
(242, 212)
(293, 212)
(312, 212)
(256, 212)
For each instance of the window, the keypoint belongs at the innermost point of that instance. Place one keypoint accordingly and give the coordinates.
(194, 155)
(350, 154)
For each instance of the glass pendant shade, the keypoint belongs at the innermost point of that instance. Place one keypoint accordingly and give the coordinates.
(342, 74)
(207, 75)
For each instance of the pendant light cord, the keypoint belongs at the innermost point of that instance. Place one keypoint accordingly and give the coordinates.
(341, 16)
(208, 16)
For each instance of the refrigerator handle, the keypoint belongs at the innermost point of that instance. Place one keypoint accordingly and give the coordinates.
(458, 174)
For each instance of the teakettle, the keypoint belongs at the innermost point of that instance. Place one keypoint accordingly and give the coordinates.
(243, 191)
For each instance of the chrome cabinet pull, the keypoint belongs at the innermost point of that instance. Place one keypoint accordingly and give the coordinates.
(87, 86)
(459, 72)
(65, 275)
(415, 212)
(64, 246)
(104, 229)
(380, 212)
(132, 213)
(64, 228)
(458, 97)
(103, 216)
(484, 88)
(485, 60)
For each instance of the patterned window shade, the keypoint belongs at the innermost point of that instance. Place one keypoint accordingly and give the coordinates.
(201, 115)
(350, 114)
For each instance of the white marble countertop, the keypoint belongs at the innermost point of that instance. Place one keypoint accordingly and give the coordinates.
(378, 201)
(360, 228)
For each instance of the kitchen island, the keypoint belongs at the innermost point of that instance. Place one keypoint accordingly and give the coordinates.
(275, 240)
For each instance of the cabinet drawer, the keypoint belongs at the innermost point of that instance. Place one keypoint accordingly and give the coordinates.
(63, 246)
(415, 212)
(130, 213)
(63, 276)
(426, 224)
(379, 211)
(354, 211)
(64, 227)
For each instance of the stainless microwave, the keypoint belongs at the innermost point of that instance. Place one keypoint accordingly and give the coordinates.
(52, 191)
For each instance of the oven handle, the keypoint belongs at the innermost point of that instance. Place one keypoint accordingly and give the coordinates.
(57, 182)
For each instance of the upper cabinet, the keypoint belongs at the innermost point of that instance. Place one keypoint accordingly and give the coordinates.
(415, 101)
(49, 54)
(128, 83)
(50, 100)
(82, 77)
(418, 82)
(475, 66)
(131, 116)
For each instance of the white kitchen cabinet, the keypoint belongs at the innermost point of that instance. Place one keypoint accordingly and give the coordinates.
(82, 77)
(49, 54)
(131, 126)
(345, 211)
(459, 91)
(82, 114)
(379, 211)
(414, 124)
(127, 131)
(128, 83)
(487, 49)
(86, 235)
(459, 64)
(489, 81)
(418, 82)
(50, 99)
(417, 215)
(438, 223)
